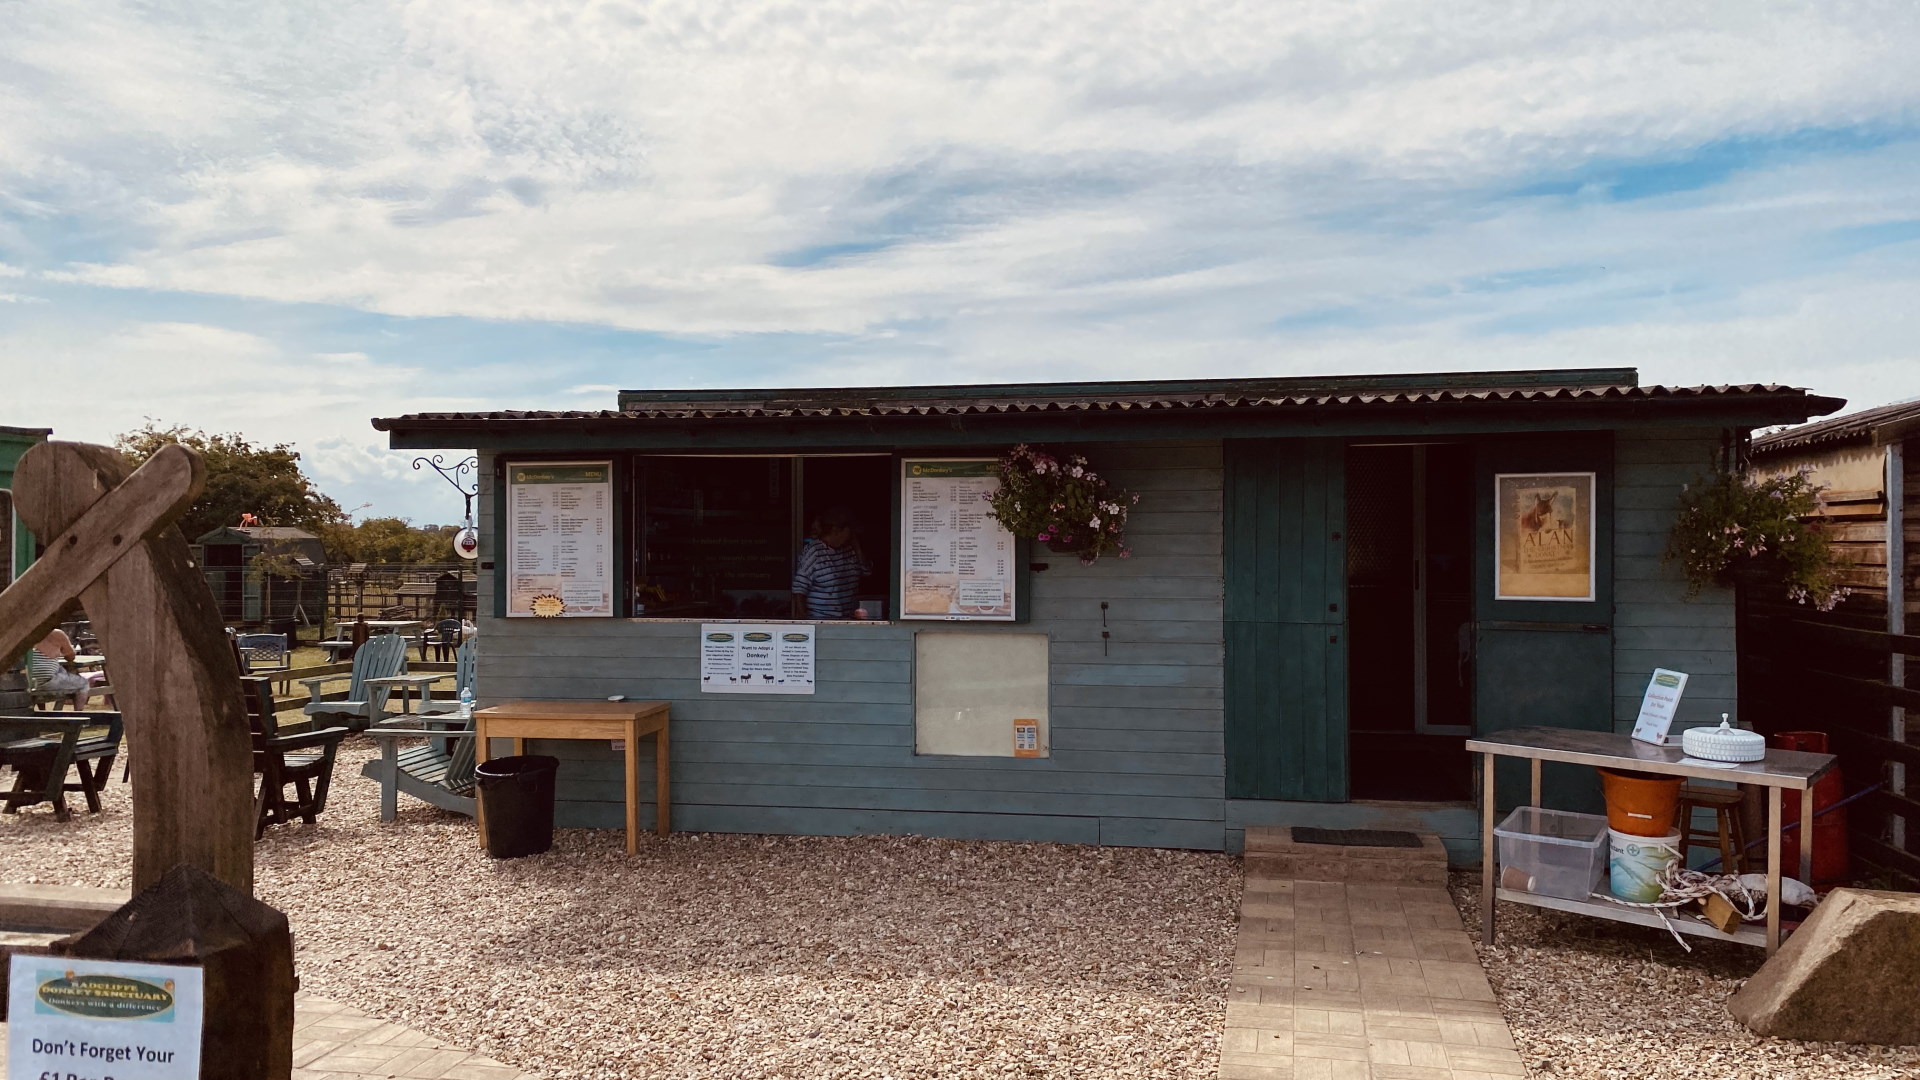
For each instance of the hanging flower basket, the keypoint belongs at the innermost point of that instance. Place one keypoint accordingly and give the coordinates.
(1733, 530)
(1063, 504)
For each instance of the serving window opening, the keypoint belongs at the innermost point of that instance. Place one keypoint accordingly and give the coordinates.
(721, 537)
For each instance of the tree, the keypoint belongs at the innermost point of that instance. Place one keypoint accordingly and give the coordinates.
(388, 540)
(242, 478)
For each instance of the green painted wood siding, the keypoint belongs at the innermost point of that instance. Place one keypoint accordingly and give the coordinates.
(1285, 616)
(1655, 624)
(1135, 719)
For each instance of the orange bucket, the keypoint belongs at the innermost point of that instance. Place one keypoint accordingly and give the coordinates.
(1641, 804)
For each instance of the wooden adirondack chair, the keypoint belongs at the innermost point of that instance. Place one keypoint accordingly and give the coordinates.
(462, 680)
(439, 772)
(42, 747)
(303, 759)
(383, 655)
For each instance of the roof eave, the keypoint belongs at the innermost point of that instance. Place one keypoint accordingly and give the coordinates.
(1746, 410)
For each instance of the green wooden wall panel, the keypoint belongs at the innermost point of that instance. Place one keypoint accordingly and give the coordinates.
(1285, 684)
(1136, 718)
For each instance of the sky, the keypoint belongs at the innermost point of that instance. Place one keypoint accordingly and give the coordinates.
(286, 219)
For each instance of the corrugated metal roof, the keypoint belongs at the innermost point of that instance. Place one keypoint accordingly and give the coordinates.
(1900, 420)
(1614, 385)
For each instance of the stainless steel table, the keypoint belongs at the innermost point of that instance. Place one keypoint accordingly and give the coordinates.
(1779, 771)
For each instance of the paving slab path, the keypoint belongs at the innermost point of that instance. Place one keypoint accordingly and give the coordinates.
(1351, 981)
(334, 1042)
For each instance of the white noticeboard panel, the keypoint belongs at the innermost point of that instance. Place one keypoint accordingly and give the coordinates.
(957, 562)
(980, 694)
(97, 1019)
(749, 658)
(560, 553)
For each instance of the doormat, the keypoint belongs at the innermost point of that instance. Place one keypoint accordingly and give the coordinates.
(1355, 837)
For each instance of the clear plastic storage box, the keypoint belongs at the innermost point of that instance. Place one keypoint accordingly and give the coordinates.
(1552, 852)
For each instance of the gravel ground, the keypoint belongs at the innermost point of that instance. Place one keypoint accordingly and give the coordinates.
(1600, 1000)
(733, 956)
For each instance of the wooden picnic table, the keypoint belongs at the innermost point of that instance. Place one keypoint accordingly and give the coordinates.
(344, 629)
(43, 746)
(594, 720)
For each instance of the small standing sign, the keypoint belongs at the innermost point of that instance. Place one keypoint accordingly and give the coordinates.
(1657, 708)
(68, 1017)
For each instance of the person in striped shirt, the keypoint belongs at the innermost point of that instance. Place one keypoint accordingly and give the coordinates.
(829, 570)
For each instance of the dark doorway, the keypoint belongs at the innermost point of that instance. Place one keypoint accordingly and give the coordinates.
(1409, 620)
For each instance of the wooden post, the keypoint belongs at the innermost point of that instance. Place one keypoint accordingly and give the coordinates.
(244, 950)
(1895, 487)
(111, 543)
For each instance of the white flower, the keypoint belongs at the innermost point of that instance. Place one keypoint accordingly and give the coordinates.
(1095, 523)
(1078, 472)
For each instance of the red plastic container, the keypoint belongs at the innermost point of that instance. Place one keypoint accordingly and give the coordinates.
(1830, 859)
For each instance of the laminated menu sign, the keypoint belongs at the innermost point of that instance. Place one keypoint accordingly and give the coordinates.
(1658, 706)
(102, 1019)
(957, 561)
(560, 539)
(750, 658)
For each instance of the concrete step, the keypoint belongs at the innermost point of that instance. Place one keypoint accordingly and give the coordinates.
(1279, 855)
(51, 908)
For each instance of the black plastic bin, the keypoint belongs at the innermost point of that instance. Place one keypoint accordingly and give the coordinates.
(516, 794)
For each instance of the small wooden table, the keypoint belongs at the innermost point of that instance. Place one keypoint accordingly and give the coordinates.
(629, 720)
(1778, 772)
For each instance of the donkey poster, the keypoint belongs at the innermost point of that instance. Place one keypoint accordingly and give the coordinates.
(1543, 535)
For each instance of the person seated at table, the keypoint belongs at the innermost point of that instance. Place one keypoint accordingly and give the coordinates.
(44, 662)
(830, 568)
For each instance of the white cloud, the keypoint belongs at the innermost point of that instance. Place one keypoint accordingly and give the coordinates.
(849, 193)
(642, 167)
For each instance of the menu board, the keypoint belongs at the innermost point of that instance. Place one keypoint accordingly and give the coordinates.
(560, 539)
(956, 560)
(753, 658)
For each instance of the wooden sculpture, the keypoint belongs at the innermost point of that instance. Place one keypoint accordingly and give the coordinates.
(110, 546)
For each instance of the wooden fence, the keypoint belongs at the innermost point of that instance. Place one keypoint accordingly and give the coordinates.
(1799, 674)
(416, 591)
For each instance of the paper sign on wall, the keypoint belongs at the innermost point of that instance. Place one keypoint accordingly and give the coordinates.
(1026, 738)
(748, 658)
(956, 560)
(103, 1018)
(1658, 707)
(560, 539)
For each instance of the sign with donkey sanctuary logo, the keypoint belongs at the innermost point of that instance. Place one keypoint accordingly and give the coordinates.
(74, 1019)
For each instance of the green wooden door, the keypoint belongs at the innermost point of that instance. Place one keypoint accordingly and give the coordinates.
(1545, 661)
(1286, 658)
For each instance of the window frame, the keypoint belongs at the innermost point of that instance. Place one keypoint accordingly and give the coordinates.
(630, 494)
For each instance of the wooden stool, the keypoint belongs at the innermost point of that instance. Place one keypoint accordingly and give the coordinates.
(1729, 835)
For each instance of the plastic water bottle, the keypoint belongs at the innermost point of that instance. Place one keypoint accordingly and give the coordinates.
(466, 699)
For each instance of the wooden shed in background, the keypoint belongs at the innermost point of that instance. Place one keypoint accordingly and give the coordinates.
(250, 593)
(1871, 504)
(1847, 672)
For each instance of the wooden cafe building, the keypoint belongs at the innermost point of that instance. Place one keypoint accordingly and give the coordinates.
(1332, 583)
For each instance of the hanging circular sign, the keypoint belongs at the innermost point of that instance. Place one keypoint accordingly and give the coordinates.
(466, 543)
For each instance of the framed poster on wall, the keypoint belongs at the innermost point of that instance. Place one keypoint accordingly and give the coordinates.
(560, 546)
(956, 561)
(1543, 536)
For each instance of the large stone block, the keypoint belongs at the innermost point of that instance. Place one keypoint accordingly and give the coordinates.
(1851, 973)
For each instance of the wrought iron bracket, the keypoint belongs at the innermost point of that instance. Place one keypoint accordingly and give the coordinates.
(452, 474)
